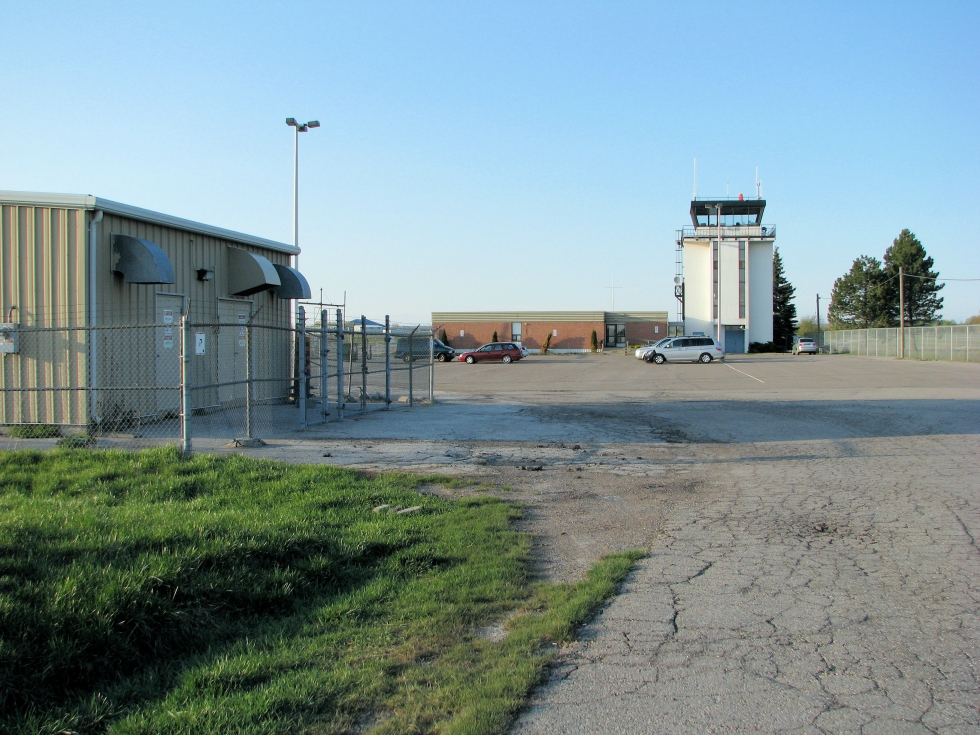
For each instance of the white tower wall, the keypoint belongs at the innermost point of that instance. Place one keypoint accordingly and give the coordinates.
(760, 292)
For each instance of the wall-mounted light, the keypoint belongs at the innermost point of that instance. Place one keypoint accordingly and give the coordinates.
(205, 274)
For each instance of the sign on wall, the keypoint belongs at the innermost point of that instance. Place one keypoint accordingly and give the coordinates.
(199, 343)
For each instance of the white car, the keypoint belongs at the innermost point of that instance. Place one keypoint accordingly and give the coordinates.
(642, 352)
(806, 345)
(524, 351)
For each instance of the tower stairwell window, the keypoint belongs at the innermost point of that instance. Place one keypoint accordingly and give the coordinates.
(741, 279)
(714, 290)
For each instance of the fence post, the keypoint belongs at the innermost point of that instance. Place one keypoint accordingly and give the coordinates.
(388, 361)
(411, 348)
(340, 364)
(248, 379)
(185, 389)
(363, 364)
(324, 366)
(303, 378)
(432, 368)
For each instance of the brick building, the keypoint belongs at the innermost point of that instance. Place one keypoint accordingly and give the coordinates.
(571, 331)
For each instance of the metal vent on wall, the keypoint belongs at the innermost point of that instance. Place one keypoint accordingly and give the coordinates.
(294, 284)
(250, 273)
(141, 261)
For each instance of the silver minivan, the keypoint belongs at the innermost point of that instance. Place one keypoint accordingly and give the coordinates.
(688, 349)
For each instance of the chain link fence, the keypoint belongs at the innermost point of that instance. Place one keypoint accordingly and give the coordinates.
(143, 385)
(958, 343)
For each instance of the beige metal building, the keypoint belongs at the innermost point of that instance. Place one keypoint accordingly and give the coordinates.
(79, 273)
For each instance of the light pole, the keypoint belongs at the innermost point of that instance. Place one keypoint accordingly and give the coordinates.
(297, 129)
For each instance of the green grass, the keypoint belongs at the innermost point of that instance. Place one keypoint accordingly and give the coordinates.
(150, 593)
(35, 431)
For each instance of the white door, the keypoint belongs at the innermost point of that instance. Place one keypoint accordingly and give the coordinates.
(168, 355)
(232, 350)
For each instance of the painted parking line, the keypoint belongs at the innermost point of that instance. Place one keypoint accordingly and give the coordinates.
(745, 374)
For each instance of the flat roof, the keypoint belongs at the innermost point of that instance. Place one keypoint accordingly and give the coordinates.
(547, 316)
(87, 201)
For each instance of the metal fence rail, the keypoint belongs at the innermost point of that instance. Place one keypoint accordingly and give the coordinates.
(177, 381)
(958, 343)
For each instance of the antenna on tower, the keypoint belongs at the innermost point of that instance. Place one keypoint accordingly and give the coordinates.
(758, 184)
(695, 177)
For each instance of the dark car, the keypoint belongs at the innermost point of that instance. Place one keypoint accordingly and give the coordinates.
(493, 352)
(419, 349)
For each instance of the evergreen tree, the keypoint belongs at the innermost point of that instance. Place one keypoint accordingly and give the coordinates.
(494, 336)
(922, 302)
(860, 298)
(783, 308)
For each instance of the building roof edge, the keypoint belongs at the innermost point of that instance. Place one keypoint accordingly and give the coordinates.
(87, 201)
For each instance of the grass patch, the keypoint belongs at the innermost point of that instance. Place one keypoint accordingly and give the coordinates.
(35, 431)
(78, 441)
(152, 593)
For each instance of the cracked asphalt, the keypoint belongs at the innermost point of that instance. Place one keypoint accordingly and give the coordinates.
(814, 585)
(832, 594)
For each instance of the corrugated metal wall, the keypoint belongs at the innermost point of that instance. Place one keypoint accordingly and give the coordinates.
(42, 265)
(126, 303)
(43, 273)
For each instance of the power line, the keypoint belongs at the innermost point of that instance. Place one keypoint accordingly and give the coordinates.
(936, 278)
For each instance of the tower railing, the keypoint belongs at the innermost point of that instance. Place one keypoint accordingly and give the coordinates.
(730, 231)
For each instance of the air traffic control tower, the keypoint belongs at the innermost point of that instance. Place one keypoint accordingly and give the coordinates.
(726, 292)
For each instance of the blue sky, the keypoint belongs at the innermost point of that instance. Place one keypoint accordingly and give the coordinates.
(492, 156)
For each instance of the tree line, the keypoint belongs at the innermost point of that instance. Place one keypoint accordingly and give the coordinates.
(868, 296)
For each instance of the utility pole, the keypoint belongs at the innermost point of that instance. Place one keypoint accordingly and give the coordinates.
(818, 322)
(901, 308)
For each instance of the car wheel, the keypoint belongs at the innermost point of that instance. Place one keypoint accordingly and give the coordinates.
(705, 358)
(407, 358)
(659, 359)
(470, 359)
(508, 358)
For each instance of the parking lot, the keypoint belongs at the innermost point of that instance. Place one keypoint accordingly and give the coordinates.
(811, 525)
